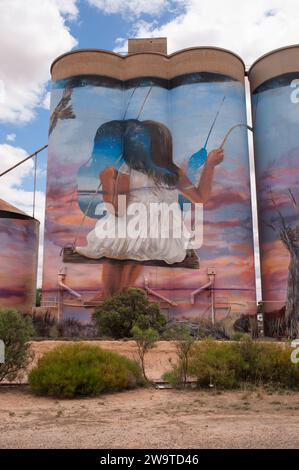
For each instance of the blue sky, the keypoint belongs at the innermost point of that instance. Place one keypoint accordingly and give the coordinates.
(92, 29)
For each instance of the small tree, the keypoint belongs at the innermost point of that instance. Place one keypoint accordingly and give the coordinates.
(183, 341)
(117, 315)
(145, 340)
(15, 331)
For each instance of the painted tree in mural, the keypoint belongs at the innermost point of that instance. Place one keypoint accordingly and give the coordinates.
(290, 238)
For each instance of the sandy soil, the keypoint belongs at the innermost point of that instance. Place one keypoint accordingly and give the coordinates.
(150, 418)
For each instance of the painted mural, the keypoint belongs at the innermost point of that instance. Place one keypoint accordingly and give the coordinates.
(276, 113)
(18, 247)
(120, 150)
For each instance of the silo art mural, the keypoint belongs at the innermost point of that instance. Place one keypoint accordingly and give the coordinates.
(276, 118)
(148, 186)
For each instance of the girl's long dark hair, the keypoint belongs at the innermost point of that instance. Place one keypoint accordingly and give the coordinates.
(147, 147)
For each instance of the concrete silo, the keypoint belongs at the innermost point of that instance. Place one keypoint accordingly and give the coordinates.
(154, 119)
(18, 253)
(274, 80)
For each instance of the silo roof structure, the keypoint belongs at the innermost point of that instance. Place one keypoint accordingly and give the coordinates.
(9, 211)
(148, 62)
(272, 64)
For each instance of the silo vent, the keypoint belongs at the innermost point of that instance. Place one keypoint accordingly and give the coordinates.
(147, 45)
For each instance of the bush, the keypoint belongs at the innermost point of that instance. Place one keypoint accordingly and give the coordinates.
(238, 336)
(181, 334)
(145, 340)
(46, 326)
(246, 324)
(229, 365)
(15, 330)
(215, 363)
(118, 315)
(71, 328)
(82, 370)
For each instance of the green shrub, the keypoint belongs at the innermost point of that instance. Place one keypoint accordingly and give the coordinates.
(229, 365)
(83, 370)
(15, 330)
(238, 336)
(268, 363)
(180, 333)
(118, 315)
(145, 340)
(215, 363)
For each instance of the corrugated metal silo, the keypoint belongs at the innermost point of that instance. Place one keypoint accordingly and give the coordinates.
(18, 254)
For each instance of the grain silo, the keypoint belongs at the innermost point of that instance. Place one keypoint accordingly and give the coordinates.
(18, 254)
(274, 80)
(144, 124)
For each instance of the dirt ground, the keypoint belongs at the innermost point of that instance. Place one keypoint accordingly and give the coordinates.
(149, 418)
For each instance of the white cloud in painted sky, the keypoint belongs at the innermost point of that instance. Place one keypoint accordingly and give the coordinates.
(32, 34)
(46, 100)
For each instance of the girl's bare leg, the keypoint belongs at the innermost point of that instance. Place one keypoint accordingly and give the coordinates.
(111, 280)
(129, 275)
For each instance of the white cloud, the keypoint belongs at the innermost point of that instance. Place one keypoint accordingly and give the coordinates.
(247, 28)
(11, 189)
(32, 34)
(9, 156)
(135, 8)
(11, 137)
(46, 100)
(68, 8)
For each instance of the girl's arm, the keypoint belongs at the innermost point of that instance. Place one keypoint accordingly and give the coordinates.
(115, 184)
(201, 192)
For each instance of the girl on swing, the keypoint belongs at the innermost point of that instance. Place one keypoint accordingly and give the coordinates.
(148, 175)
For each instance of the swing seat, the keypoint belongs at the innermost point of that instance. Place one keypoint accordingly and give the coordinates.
(191, 260)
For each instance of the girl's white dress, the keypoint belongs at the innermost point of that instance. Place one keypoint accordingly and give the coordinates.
(142, 233)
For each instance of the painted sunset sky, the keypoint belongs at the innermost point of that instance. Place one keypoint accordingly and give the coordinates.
(277, 167)
(188, 111)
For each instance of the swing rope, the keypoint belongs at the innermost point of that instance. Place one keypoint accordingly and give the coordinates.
(214, 122)
(230, 130)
